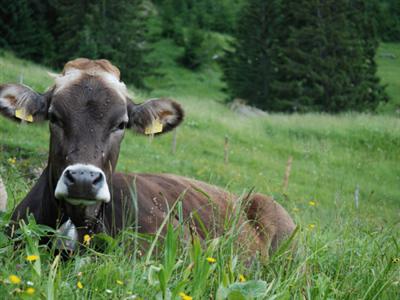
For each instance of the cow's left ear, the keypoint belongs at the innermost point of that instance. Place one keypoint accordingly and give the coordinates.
(154, 116)
(19, 102)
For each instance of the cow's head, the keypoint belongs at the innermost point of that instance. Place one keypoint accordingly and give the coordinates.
(88, 109)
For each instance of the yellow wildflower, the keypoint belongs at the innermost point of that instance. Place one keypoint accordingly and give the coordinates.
(120, 282)
(32, 257)
(184, 296)
(311, 226)
(14, 279)
(79, 285)
(86, 239)
(312, 203)
(211, 260)
(12, 160)
(242, 278)
(30, 291)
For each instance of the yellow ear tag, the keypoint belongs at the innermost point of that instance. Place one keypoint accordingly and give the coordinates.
(155, 127)
(21, 114)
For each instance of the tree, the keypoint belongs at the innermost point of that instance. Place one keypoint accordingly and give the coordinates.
(115, 30)
(387, 15)
(305, 55)
(55, 31)
(250, 67)
(22, 32)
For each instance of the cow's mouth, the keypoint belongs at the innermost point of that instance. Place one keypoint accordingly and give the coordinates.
(81, 202)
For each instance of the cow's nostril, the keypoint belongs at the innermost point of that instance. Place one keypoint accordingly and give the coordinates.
(69, 177)
(98, 179)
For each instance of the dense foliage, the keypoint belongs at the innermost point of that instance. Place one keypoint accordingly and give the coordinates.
(305, 55)
(388, 20)
(287, 55)
(54, 31)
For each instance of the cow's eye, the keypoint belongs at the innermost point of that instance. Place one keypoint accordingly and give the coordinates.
(54, 119)
(121, 126)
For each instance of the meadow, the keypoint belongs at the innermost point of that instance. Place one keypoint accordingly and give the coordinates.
(343, 193)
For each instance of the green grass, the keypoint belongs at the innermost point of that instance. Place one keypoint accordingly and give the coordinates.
(388, 59)
(344, 251)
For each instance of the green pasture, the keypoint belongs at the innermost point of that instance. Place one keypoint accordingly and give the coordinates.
(343, 192)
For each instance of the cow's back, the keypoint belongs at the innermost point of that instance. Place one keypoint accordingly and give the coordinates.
(157, 193)
(203, 205)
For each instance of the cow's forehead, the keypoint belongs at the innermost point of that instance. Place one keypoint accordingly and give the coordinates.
(103, 70)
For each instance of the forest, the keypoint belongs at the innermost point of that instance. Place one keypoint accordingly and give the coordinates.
(292, 56)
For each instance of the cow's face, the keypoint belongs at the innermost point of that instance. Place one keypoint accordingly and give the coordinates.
(88, 110)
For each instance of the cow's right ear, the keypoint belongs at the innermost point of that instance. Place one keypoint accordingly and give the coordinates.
(19, 102)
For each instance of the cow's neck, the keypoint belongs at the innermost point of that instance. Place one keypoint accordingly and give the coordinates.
(41, 203)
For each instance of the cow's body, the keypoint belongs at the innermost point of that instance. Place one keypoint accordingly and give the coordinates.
(89, 111)
(267, 222)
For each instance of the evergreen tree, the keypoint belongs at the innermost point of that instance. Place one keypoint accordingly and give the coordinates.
(194, 54)
(250, 66)
(115, 30)
(362, 16)
(305, 55)
(23, 31)
(387, 15)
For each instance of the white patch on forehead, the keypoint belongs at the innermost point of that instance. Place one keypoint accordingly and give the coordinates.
(63, 81)
(114, 83)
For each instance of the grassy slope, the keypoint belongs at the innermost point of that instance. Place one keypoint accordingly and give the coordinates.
(349, 251)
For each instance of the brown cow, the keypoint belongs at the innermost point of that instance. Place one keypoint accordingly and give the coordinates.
(89, 109)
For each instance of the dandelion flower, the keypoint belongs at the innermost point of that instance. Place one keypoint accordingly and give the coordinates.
(184, 296)
(211, 260)
(312, 203)
(79, 285)
(242, 278)
(30, 291)
(86, 239)
(32, 258)
(14, 279)
(311, 226)
(120, 282)
(12, 160)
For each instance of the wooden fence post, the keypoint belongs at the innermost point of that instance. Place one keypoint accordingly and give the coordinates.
(287, 174)
(3, 196)
(356, 196)
(226, 150)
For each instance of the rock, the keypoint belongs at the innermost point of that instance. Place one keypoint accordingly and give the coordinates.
(388, 55)
(239, 106)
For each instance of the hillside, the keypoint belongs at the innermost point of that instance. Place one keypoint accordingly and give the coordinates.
(345, 250)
